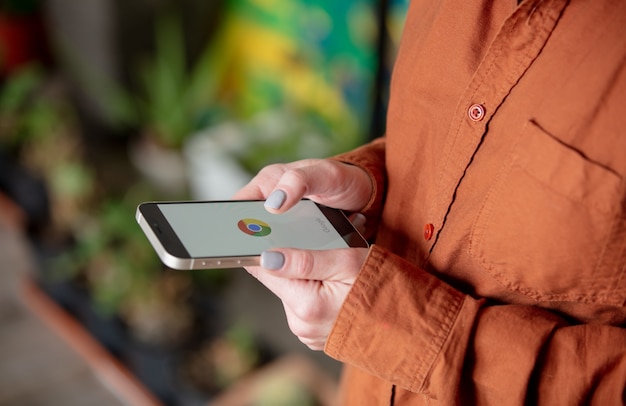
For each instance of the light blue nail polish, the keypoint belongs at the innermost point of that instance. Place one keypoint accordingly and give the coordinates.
(272, 260)
(276, 199)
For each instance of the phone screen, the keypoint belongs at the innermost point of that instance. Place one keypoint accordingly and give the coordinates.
(238, 228)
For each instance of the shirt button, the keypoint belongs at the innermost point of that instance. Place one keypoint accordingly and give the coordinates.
(429, 230)
(476, 112)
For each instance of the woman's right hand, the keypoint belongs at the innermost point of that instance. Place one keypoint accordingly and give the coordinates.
(324, 181)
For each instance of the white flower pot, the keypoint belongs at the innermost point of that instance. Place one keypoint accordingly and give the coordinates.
(213, 172)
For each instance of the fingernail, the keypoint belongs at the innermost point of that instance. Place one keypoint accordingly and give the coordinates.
(276, 199)
(272, 260)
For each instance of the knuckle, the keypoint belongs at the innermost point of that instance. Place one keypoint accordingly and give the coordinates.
(272, 171)
(295, 177)
(329, 167)
(303, 263)
(332, 170)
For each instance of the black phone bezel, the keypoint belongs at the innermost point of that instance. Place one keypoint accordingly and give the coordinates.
(162, 229)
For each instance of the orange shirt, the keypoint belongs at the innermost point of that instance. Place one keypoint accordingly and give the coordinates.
(498, 276)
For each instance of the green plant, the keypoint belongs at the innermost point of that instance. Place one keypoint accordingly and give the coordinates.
(24, 115)
(39, 128)
(173, 100)
(167, 100)
(120, 262)
(125, 277)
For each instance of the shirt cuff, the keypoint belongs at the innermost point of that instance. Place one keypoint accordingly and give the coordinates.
(395, 320)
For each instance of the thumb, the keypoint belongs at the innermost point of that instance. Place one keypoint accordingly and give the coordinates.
(340, 264)
(294, 184)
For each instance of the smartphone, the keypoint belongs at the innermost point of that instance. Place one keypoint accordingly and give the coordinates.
(228, 234)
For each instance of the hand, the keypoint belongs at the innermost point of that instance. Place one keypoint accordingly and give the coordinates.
(312, 286)
(328, 182)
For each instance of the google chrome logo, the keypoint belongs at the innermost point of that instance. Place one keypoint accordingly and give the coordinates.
(254, 227)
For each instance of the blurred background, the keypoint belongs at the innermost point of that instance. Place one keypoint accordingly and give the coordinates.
(108, 103)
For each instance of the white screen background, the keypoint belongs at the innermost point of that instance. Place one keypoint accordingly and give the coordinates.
(209, 229)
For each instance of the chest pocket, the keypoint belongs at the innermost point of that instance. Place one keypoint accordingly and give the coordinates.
(551, 227)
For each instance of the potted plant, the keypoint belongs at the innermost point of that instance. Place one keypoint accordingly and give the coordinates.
(170, 102)
(148, 315)
(125, 277)
(38, 130)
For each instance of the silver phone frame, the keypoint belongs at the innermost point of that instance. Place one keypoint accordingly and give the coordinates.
(186, 264)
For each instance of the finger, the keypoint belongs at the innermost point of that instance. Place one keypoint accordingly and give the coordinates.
(300, 299)
(298, 180)
(274, 283)
(293, 274)
(289, 290)
(260, 186)
(250, 192)
(328, 182)
(272, 177)
(325, 265)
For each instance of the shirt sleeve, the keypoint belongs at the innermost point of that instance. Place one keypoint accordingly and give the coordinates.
(371, 158)
(413, 330)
